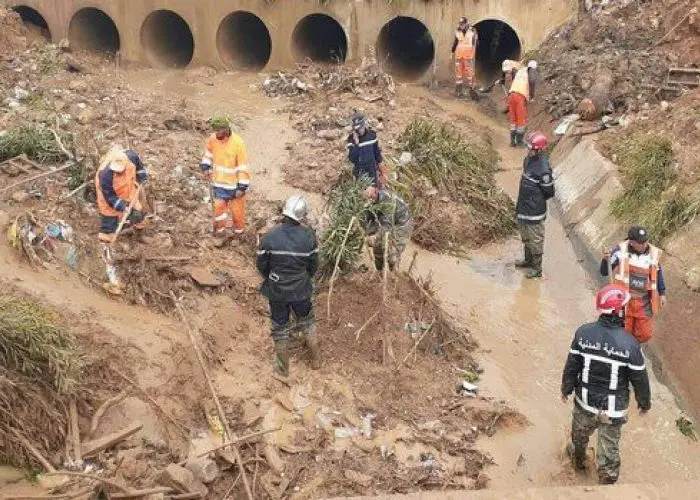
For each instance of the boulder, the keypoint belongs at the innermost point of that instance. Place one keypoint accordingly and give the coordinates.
(182, 479)
(204, 469)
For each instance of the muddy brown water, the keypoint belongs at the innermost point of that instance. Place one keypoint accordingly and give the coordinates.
(524, 327)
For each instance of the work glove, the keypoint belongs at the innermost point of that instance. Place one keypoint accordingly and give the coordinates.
(136, 216)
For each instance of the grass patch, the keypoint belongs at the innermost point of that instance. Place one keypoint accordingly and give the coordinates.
(40, 367)
(652, 197)
(35, 141)
(451, 189)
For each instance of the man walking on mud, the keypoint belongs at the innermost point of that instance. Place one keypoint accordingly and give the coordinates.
(287, 260)
(225, 165)
(602, 363)
(536, 187)
(634, 264)
(364, 152)
(464, 51)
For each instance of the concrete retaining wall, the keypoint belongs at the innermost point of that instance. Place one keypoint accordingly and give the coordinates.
(361, 21)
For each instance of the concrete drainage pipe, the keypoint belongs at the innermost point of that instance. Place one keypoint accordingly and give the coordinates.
(34, 20)
(244, 42)
(405, 47)
(167, 39)
(320, 38)
(91, 29)
(497, 42)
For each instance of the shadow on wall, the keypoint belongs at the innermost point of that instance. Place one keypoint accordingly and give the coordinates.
(92, 29)
(320, 38)
(405, 48)
(167, 39)
(244, 42)
(497, 42)
(33, 20)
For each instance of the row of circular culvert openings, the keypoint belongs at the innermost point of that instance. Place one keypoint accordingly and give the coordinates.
(404, 44)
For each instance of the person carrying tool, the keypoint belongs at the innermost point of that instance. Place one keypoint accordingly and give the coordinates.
(464, 52)
(522, 90)
(287, 260)
(602, 363)
(635, 267)
(536, 187)
(364, 152)
(388, 222)
(116, 183)
(225, 166)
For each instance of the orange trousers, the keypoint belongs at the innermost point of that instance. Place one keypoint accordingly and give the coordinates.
(517, 111)
(464, 70)
(233, 209)
(637, 322)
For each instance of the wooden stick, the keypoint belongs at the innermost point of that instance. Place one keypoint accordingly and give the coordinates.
(142, 493)
(75, 430)
(231, 443)
(101, 410)
(90, 476)
(361, 329)
(35, 177)
(210, 384)
(68, 154)
(415, 346)
(45, 463)
(337, 263)
(94, 447)
(413, 262)
(385, 272)
(75, 191)
(185, 431)
(674, 27)
(127, 213)
(185, 496)
(228, 492)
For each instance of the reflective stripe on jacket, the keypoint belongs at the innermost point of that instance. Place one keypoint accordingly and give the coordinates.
(536, 187)
(602, 363)
(521, 83)
(115, 190)
(465, 48)
(287, 260)
(639, 273)
(228, 160)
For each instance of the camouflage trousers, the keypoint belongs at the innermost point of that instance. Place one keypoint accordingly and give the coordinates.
(398, 239)
(583, 425)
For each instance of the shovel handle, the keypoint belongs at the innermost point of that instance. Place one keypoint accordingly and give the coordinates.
(127, 213)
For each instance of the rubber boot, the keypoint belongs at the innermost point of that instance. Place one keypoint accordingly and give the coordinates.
(578, 457)
(282, 357)
(513, 138)
(314, 347)
(526, 262)
(520, 139)
(536, 268)
(458, 90)
(474, 94)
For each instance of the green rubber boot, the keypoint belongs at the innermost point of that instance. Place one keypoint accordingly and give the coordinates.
(282, 357)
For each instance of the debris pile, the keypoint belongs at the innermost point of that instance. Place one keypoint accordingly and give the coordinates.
(448, 181)
(614, 56)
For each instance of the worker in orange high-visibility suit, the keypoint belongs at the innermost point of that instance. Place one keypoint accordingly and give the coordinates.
(115, 184)
(522, 91)
(635, 266)
(225, 165)
(464, 50)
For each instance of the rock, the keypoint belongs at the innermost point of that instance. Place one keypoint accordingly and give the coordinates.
(204, 469)
(183, 480)
(133, 464)
(19, 196)
(86, 116)
(359, 478)
(692, 279)
(664, 105)
(251, 414)
(132, 409)
(329, 135)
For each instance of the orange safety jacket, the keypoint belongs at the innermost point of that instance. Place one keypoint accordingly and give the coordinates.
(639, 273)
(466, 48)
(228, 160)
(123, 183)
(521, 83)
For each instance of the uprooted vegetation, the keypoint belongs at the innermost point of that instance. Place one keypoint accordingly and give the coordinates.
(653, 193)
(41, 367)
(449, 184)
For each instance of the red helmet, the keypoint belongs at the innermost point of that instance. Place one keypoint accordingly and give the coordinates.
(537, 141)
(611, 299)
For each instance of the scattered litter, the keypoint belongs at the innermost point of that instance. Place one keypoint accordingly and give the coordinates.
(468, 389)
(60, 230)
(686, 426)
(346, 432)
(428, 461)
(566, 123)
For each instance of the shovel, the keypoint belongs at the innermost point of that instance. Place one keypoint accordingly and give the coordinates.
(113, 286)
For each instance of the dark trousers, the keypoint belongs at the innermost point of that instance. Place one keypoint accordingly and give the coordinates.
(280, 312)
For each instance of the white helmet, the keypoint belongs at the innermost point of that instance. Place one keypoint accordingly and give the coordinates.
(532, 64)
(296, 208)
